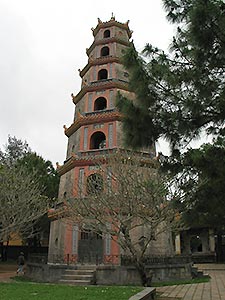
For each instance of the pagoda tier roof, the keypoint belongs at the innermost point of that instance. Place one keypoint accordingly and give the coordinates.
(110, 23)
(99, 61)
(92, 118)
(95, 156)
(107, 41)
(101, 85)
(83, 158)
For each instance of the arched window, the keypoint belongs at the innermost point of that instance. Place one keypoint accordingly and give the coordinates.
(94, 183)
(98, 140)
(100, 104)
(105, 51)
(106, 33)
(102, 74)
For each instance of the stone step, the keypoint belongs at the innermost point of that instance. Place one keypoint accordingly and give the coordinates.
(75, 282)
(77, 277)
(83, 276)
(86, 267)
(196, 273)
(77, 272)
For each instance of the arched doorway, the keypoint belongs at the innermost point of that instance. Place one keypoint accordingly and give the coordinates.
(98, 140)
(102, 74)
(100, 104)
(104, 51)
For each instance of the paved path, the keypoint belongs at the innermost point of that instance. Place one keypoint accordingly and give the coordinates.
(7, 271)
(213, 290)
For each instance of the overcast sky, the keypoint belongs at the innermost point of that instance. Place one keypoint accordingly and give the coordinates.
(42, 45)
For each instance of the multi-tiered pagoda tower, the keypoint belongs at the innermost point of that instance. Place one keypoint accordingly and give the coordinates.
(96, 130)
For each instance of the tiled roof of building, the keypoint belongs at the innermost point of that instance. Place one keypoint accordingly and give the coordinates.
(92, 118)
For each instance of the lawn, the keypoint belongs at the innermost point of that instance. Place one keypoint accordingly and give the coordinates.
(37, 291)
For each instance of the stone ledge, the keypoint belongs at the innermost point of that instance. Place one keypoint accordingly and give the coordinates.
(147, 294)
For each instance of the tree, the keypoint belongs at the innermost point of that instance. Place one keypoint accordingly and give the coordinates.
(35, 175)
(48, 180)
(17, 152)
(14, 149)
(180, 94)
(203, 172)
(128, 200)
(44, 171)
(20, 200)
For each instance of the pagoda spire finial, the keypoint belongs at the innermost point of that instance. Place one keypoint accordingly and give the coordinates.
(113, 17)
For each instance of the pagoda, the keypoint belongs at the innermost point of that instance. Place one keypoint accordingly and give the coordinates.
(96, 129)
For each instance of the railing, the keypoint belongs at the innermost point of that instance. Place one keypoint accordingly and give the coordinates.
(108, 80)
(111, 260)
(96, 112)
(157, 260)
(107, 151)
(96, 152)
(93, 258)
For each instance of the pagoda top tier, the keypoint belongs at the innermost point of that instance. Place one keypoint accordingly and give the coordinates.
(112, 22)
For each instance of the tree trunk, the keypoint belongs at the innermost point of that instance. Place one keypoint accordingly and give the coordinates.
(145, 276)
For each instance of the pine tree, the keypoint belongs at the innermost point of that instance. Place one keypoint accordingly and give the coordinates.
(181, 93)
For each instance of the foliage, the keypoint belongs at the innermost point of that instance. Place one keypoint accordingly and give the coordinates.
(14, 149)
(181, 93)
(132, 207)
(17, 152)
(28, 182)
(24, 291)
(46, 175)
(20, 200)
(203, 185)
(179, 96)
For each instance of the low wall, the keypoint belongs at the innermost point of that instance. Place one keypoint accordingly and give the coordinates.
(200, 258)
(147, 294)
(120, 275)
(111, 275)
(45, 272)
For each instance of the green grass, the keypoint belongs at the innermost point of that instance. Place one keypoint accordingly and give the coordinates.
(37, 291)
(179, 282)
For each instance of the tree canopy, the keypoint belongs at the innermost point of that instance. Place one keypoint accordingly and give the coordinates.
(21, 202)
(44, 171)
(203, 185)
(18, 153)
(180, 93)
(14, 150)
(27, 183)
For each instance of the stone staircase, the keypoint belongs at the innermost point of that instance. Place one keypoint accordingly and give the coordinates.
(82, 275)
(196, 273)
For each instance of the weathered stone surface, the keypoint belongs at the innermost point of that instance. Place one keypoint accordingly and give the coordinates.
(147, 294)
(111, 275)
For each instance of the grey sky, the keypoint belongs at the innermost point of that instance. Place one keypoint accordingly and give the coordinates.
(42, 45)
